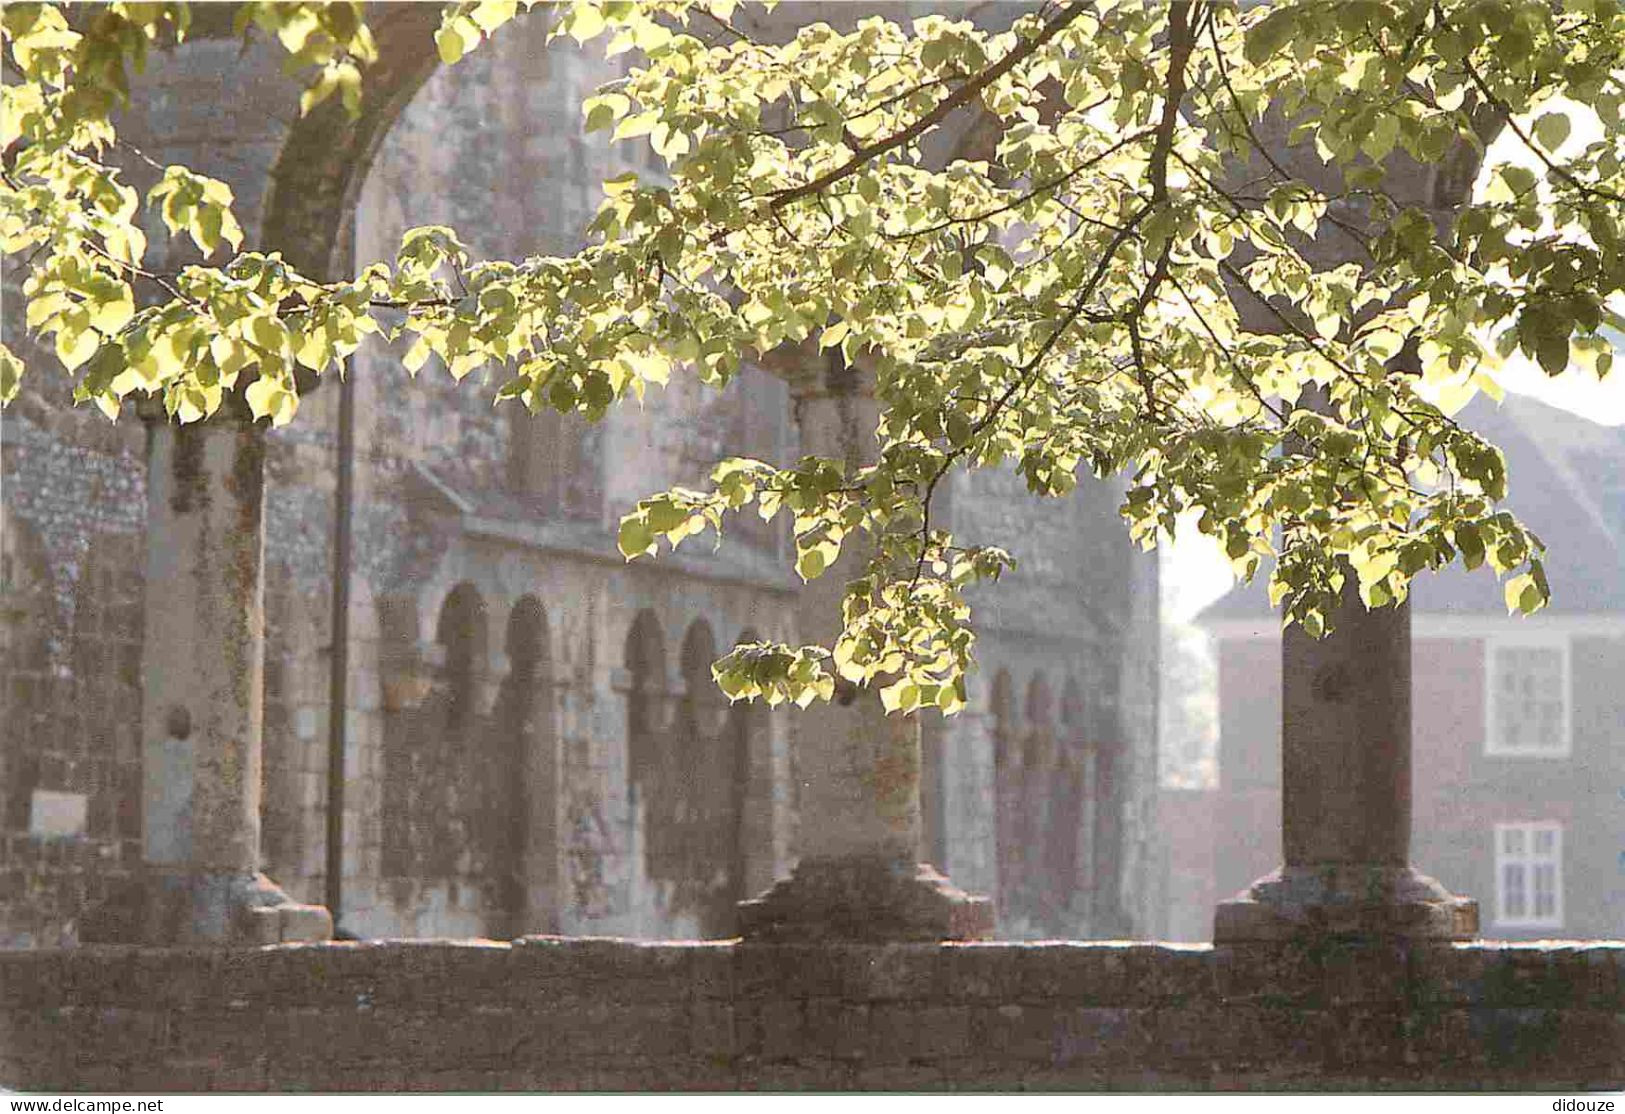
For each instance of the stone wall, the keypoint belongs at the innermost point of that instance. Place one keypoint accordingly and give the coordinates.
(598, 1014)
(516, 513)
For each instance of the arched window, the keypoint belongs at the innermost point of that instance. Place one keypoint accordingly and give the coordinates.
(649, 765)
(431, 786)
(518, 823)
(700, 856)
(1038, 753)
(461, 634)
(1035, 898)
(646, 668)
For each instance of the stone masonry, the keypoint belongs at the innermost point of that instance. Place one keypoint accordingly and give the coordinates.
(550, 1014)
(531, 740)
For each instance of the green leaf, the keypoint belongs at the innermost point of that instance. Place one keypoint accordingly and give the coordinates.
(1552, 352)
(1551, 130)
(635, 539)
(1268, 37)
(75, 345)
(261, 397)
(449, 45)
(810, 564)
(11, 375)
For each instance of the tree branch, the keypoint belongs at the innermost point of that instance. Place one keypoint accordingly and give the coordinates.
(1504, 111)
(960, 97)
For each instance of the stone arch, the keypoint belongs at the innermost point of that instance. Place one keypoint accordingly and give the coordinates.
(528, 641)
(691, 801)
(645, 663)
(461, 633)
(516, 826)
(428, 784)
(326, 155)
(647, 756)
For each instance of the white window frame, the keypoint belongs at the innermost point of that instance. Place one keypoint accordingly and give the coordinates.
(1565, 742)
(1529, 860)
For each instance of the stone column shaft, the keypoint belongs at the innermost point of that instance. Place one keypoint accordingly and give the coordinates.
(1346, 795)
(205, 631)
(1346, 739)
(203, 675)
(859, 875)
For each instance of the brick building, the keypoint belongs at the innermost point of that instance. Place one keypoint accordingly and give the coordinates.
(530, 738)
(1519, 723)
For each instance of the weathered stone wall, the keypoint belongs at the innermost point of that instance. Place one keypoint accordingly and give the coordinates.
(517, 514)
(552, 1014)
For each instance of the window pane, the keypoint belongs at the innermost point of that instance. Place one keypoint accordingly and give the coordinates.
(1546, 890)
(1545, 841)
(1512, 841)
(1512, 891)
(1528, 696)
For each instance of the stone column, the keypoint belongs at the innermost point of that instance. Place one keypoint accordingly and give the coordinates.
(1346, 706)
(859, 876)
(1346, 795)
(203, 665)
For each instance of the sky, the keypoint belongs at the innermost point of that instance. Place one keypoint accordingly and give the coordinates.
(1194, 569)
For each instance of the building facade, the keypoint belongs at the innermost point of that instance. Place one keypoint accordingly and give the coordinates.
(531, 741)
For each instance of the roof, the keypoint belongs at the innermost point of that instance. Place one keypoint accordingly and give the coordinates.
(1565, 481)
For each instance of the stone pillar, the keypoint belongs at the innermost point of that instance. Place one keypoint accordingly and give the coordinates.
(202, 674)
(859, 876)
(1346, 795)
(1346, 701)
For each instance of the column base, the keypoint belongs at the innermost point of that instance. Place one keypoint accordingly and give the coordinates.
(172, 907)
(864, 900)
(1344, 900)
